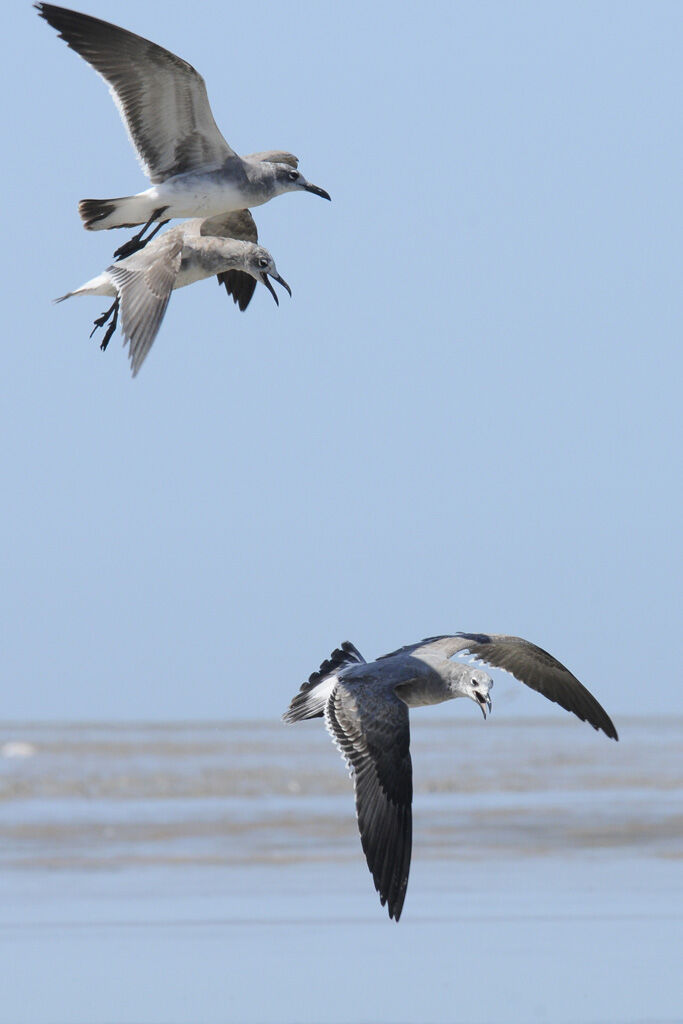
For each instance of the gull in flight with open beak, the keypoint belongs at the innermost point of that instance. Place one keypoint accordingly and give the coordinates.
(365, 707)
(196, 249)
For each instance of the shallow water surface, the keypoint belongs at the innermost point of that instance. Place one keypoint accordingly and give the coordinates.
(213, 873)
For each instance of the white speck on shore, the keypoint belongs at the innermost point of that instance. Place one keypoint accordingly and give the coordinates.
(17, 748)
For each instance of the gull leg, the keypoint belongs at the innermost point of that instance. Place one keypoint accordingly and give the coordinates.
(151, 235)
(137, 242)
(112, 312)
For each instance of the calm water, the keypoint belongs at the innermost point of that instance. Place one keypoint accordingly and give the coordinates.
(203, 873)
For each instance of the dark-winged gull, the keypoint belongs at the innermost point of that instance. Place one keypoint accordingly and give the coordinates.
(365, 706)
(164, 105)
(196, 249)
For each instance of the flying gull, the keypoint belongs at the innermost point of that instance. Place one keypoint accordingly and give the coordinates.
(142, 283)
(365, 706)
(165, 107)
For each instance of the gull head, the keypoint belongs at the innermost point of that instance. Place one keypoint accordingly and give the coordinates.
(290, 180)
(477, 686)
(261, 265)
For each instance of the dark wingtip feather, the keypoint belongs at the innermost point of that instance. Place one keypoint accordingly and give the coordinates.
(608, 727)
(239, 286)
(552, 679)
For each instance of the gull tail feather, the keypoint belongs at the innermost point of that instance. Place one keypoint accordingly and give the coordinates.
(100, 285)
(123, 212)
(310, 701)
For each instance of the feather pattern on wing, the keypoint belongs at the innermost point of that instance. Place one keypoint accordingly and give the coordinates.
(161, 98)
(144, 287)
(372, 731)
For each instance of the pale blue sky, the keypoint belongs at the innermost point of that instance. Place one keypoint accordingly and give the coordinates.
(467, 417)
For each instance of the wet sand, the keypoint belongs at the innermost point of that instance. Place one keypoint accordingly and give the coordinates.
(213, 873)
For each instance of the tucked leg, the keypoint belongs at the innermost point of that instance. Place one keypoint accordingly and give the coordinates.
(137, 242)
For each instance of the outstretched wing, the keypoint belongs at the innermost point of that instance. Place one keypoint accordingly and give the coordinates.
(372, 730)
(161, 98)
(241, 225)
(528, 663)
(144, 283)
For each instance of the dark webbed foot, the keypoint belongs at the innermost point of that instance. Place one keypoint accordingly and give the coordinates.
(128, 248)
(137, 242)
(112, 312)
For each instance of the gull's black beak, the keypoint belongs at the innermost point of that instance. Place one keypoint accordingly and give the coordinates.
(280, 280)
(317, 191)
(484, 703)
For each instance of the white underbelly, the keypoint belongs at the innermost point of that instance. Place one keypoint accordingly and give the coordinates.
(196, 198)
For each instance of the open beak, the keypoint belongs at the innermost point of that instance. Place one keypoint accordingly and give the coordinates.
(317, 191)
(484, 703)
(280, 280)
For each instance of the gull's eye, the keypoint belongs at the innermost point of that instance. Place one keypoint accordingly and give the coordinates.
(263, 262)
(293, 175)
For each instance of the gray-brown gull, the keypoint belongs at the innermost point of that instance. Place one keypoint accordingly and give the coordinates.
(196, 249)
(164, 105)
(365, 706)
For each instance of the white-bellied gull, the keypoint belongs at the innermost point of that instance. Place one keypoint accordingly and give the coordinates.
(365, 706)
(196, 249)
(165, 107)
